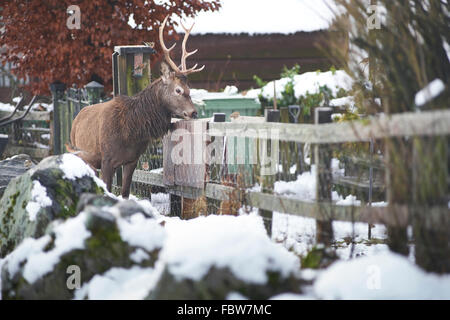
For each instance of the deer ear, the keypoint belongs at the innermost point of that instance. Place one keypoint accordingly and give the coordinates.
(165, 71)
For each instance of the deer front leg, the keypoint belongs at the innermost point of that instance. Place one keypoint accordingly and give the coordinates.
(127, 175)
(107, 173)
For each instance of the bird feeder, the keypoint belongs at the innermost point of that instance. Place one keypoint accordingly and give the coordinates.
(131, 69)
(131, 74)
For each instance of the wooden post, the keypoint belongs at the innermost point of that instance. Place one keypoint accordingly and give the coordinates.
(131, 74)
(57, 90)
(175, 205)
(431, 228)
(324, 179)
(285, 156)
(267, 181)
(398, 190)
(213, 205)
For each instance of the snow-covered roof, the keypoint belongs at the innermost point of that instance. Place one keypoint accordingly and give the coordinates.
(262, 16)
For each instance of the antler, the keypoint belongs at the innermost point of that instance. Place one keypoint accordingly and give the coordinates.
(184, 55)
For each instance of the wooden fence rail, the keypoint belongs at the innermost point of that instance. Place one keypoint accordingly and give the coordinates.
(290, 205)
(431, 123)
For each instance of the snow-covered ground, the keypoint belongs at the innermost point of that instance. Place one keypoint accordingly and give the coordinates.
(373, 272)
(366, 269)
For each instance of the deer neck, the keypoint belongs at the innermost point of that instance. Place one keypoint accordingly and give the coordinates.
(146, 118)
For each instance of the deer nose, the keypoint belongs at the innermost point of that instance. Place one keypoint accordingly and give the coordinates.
(194, 115)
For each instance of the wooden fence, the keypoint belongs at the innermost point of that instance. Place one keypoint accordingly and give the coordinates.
(213, 184)
(31, 135)
(425, 124)
(66, 105)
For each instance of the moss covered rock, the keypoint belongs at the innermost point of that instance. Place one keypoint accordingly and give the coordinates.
(72, 252)
(214, 256)
(47, 192)
(219, 283)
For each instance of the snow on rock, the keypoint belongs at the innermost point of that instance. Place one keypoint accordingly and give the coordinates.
(39, 199)
(69, 236)
(382, 276)
(139, 255)
(27, 248)
(238, 243)
(96, 240)
(212, 257)
(431, 91)
(74, 167)
(142, 232)
(119, 284)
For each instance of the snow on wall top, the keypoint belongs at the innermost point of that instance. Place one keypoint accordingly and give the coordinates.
(261, 16)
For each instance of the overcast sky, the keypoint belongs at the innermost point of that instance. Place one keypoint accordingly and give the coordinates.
(263, 16)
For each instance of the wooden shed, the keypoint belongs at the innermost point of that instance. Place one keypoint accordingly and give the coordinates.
(233, 59)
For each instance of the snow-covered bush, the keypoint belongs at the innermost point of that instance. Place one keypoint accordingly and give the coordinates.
(309, 89)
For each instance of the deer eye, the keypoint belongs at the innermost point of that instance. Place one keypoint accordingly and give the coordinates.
(178, 90)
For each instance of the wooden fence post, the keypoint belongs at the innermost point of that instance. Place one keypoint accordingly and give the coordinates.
(267, 180)
(57, 90)
(324, 180)
(213, 205)
(131, 74)
(175, 205)
(398, 191)
(431, 228)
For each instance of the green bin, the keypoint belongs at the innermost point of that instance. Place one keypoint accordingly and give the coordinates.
(240, 149)
(217, 102)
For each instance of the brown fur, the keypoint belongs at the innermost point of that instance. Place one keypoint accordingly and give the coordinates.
(114, 133)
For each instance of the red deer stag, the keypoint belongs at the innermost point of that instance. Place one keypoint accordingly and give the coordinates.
(114, 133)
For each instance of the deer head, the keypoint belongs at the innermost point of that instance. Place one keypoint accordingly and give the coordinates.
(176, 93)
